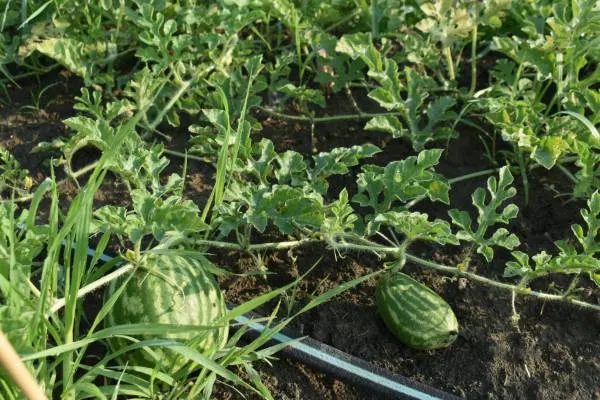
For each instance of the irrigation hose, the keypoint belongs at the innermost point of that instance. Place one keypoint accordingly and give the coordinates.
(336, 362)
(347, 367)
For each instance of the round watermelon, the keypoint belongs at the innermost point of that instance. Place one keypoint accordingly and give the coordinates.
(169, 289)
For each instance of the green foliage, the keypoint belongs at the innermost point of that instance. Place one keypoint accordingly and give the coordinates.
(549, 72)
(339, 217)
(416, 226)
(287, 191)
(570, 259)
(81, 58)
(389, 188)
(286, 207)
(490, 211)
(151, 214)
(388, 95)
(12, 176)
(415, 71)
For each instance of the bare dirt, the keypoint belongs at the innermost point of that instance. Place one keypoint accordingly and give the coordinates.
(553, 352)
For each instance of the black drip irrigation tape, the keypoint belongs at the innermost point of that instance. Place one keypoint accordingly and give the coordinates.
(347, 367)
(336, 362)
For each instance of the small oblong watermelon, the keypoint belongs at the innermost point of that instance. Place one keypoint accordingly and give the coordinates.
(414, 313)
(169, 290)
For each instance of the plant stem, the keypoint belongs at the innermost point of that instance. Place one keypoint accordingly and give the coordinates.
(298, 43)
(470, 275)
(256, 247)
(367, 246)
(342, 117)
(567, 173)
(501, 285)
(184, 155)
(84, 290)
(523, 170)
(472, 175)
(73, 175)
(353, 100)
(473, 61)
(455, 180)
(343, 20)
(450, 62)
(82, 171)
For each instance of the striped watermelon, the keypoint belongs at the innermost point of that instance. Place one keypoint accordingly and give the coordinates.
(415, 314)
(169, 290)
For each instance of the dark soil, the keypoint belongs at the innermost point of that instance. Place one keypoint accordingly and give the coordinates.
(553, 352)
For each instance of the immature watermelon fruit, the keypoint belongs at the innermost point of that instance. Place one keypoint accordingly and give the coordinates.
(415, 314)
(169, 290)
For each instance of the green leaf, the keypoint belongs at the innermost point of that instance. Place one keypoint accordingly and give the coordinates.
(340, 216)
(595, 277)
(151, 215)
(549, 150)
(360, 45)
(77, 56)
(486, 251)
(261, 166)
(520, 267)
(461, 218)
(591, 216)
(388, 124)
(385, 188)
(388, 95)
(111, 218)
(337, 162)
(417, 226)
(503, 238)
(292, 169)
(385, 98)
(286, 207)
(594, 135)
(12, 175)
(488, 205)
(303, 94)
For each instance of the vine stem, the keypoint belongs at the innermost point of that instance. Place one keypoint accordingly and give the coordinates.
(106, 279)
(451, 181)
(257, 247)
(501, 285)
(84, 290)
(567, 173)
(81, 171)
(184, 155)
(342, 117)
(523, 170)
(417, 260)
(71, 175)
(42, 71)
(470, 275)
(448, 54)
(473, 61)
(368, 246)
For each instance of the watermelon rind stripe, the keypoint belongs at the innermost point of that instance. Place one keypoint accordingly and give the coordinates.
(170, 290)
(414, 313)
